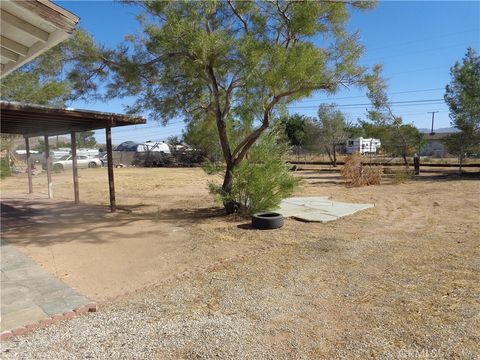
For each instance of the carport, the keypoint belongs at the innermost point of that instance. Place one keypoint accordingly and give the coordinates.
(31, 120)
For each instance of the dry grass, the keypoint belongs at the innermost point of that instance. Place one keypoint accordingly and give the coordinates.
(399, 280)
(310, 157)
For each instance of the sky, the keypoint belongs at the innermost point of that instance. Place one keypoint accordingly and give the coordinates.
(417, 42)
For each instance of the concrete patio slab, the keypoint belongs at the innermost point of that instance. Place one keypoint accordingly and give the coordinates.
(318, 208)
(29, 293)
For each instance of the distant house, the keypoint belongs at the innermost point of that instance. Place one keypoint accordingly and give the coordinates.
(434, 145)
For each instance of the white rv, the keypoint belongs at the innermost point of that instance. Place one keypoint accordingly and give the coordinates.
(363, 146)
(155, 146)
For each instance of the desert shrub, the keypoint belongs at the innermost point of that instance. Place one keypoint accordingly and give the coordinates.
(262, 180)
(212, 167)
(357, 173)
(4, 168)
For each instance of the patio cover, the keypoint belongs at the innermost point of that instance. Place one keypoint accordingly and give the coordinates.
(29, 28)
(32, 120)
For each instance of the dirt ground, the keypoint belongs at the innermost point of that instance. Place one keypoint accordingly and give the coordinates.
(399, 279)
(104, 255)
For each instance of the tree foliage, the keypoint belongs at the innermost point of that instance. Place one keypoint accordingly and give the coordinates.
(45, 80)
(463, 93)
(295, 128)
(463, 143)
(398, 139)
(85, 139)
(238, 62)
(263, 179)
(332, 129)
(463, 98)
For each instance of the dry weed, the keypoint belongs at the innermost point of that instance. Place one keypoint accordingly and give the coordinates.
(356, 173)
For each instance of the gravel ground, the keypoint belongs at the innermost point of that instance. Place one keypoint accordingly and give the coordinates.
(300, 301)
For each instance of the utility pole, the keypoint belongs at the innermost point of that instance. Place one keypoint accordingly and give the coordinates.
(433, 120)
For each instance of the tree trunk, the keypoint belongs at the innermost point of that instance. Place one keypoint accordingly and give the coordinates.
(334, 155)
(230, 205)
(462, 154)
(405, 160)
(329, 153)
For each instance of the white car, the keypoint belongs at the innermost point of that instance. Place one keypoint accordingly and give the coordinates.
(83, 161)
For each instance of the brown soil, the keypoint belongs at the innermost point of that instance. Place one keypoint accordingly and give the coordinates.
(105, 255)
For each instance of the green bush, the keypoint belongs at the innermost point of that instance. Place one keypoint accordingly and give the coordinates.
(4, 168)
(212, 167)
(262, 180)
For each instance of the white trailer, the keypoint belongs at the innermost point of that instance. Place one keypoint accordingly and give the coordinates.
(88, 152)
(154, 146)
(363, 146)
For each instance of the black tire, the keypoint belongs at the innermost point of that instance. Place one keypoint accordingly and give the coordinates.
(267, 220)
(58, 167)
(92, 164)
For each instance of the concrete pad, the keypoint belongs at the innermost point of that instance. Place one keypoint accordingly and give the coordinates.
(26, 316)
(318, 208)
(29, 293)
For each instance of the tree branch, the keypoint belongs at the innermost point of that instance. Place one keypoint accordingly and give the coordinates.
(243, 147)
(245, 25)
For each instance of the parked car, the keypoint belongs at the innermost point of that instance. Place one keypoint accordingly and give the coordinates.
(83, 161)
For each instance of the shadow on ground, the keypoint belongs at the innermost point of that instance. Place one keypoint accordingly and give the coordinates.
(42, 222)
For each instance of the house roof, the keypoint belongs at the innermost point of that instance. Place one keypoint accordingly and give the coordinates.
(36, 120)
(437, 136)
(29, 28)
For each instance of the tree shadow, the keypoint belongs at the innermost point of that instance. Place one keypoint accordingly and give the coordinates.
(184, 215)
(246, 226)
(448, 176)
(42, 222)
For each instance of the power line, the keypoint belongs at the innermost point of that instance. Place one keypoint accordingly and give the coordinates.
(420, 40)
(364, 96)
(398, 103)
(417, 70)
(418, 52)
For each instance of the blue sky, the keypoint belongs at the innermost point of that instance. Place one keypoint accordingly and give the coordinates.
(416, 41)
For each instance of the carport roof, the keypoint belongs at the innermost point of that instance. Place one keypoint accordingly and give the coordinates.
(36, 120)
(29, 28)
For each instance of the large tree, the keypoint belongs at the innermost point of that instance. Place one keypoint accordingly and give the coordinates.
(463, 93)
(463, 98)
(332, 124)
(398, 138)
(295, 128)
(234, 61)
